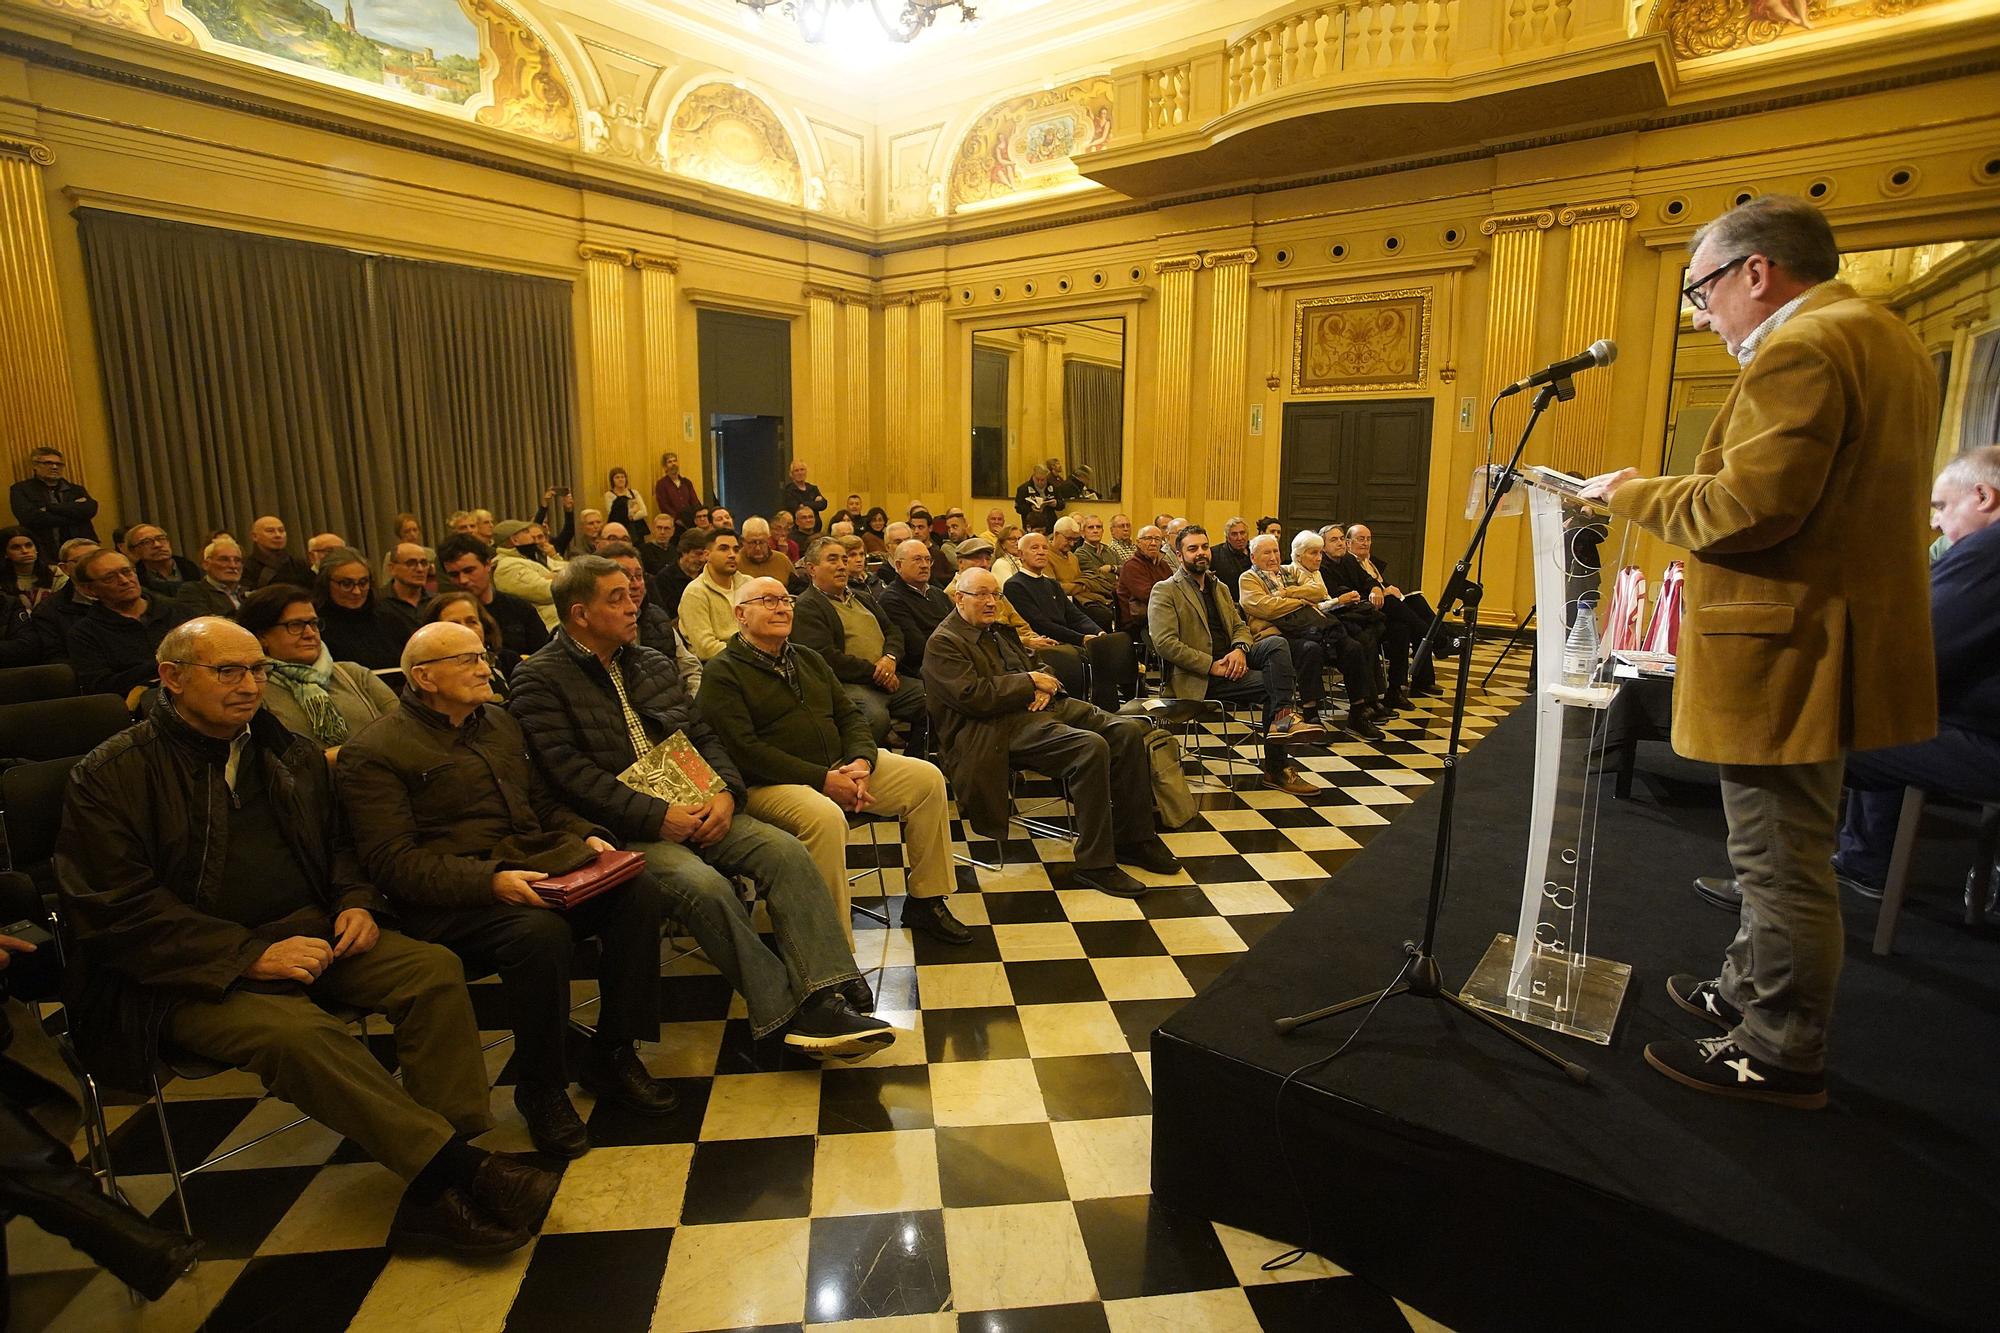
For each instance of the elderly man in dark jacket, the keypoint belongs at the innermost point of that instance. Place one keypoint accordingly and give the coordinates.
(913, 603)
(112, 644)
(592, 703)
(217, 906)
(848, 628)
(1052, 612)
(456, 825)
(995, 711)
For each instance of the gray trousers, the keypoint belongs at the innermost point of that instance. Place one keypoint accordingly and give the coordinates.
(882, 707)
(1110, 774)
(1784, 964)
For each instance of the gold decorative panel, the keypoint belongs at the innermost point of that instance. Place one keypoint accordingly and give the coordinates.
(1709, 27)
(471, 58)
(727, 136)
(1370, 342)
(1026, 144)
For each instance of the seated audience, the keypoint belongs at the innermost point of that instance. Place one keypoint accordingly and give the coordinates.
(995, 711)
(411, 570)
(1232, 558)
(622, 504)
(456, 606)
(656, 626)
(220, 589)
(850, 633)
(1354, 639)
(874, 531)
(1405, 619)
(322, 545)
(923, 529)
(593, 703)
(227, 956)
(1119, 540)
(1096, 562)
(521, 568)
(406, 528)
(722, 520)
(798, 491)
(269, 561)
(1042, 602)
(45, 636)
(50, 505)
(757, 558)
(112, 644)
(809, 760)
(1090, 591)
(1963, 760)
(30, 580)
(660, 549)
(882, 570)
(708, 616)
(1206, 652)
(1007, 559)
(589, 526)
(609, 533)
(1136, 577)
(690, 558)
(356, 627)
(1271, 525)
(781, 536)
(1065, 660)
(482, 525)
(1278, 598)
(466, 563)
(849, 513)
(996, 523)
(805, 524)
(460, 520)
(152, 554)
(455, 824)
(318, 698)
(555, 499)
(704, 518)
(915, 605)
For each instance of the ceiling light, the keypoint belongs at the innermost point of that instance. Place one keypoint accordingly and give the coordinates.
(902, 20)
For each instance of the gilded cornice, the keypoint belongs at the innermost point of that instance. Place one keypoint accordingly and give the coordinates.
(1177, 264)
(1541, 220)
(36, 152)
(659, 263)
(1224, 258)
(916, 298)
(837, 295)
(604, 254)
(1604, 212)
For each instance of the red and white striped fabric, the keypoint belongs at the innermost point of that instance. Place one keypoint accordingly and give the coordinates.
(1628, 609)
(1663, 635)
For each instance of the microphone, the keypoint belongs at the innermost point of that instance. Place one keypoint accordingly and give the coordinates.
(1600, 353)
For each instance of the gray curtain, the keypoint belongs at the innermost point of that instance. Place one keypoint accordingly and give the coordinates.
(1094, 421)
(247, 375)
(1980, 422)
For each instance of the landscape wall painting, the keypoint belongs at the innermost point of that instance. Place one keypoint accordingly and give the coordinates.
(421, 48)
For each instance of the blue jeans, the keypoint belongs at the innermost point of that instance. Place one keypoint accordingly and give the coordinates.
(1269, 678)
(1956, 762)
(811, 952)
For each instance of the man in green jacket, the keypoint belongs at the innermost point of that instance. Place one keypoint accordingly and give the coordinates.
(810, 759)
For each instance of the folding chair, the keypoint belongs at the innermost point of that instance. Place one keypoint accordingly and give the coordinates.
(53, 728)
(30, 684)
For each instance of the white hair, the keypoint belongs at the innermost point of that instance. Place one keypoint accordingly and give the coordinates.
(743, 593)
(1068, 524)
(216, 545)
(1261, 541)
(1305, 540)
(1978, 466)
(754, 527)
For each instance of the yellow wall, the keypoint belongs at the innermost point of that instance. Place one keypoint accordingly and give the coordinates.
(881, 341)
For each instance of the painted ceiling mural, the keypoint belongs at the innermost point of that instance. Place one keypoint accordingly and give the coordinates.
(1026, 145)
(729, 136)
(1709, 27)
(469, 58)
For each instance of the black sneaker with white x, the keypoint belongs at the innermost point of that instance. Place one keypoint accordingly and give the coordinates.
(1704, 999)
(1720, 1066)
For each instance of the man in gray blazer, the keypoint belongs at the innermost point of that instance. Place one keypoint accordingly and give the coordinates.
(1207, 652)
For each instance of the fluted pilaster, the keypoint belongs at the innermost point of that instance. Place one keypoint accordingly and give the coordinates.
(1590, 312)
(610, 374)
(37, 398)
(659, 315)
(1173, 376)
(1228, 338)
(854, 404)
(933, 410)
(898, 411)
(819, 425)
(1512, 299)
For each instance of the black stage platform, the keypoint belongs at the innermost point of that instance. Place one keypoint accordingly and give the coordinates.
(1488, 1191)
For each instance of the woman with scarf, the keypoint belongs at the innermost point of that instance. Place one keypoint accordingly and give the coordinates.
(309, 692)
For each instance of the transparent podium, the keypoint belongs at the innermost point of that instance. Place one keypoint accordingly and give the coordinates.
(1544, 973)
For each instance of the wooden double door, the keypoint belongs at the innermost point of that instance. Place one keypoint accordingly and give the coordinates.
(1360, 463)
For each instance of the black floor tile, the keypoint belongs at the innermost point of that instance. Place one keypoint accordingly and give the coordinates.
(613, 1126)
(1092, 1087)
(877, 1266)
(973, 1034)
(1297, 816)
(980, 1166)
(197, 1127)
(749, 1180)
(1262, 839)
(1027, 908)
(1037, 1319)
(1118, 939)
(1139, 1018)
(1202, 968)
(609, 1279)
(1054, 981)
(697, 999)
(869, 1101)
(297, 1293)
(742, 1054)
(1317, 1304)
(1179, 900)
(1255, 926)
(1218, 869)
(1138, 1248)
(982, 949)
(235, 1210)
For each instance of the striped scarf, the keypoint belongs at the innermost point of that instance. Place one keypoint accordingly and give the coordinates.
(308, 685)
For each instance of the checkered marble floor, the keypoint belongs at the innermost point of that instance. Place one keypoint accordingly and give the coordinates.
(988, 1171)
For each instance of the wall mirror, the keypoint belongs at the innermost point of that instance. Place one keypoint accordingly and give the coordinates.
(1043, 392)
(1943, 289)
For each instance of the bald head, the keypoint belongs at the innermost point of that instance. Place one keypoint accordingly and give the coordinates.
(764, 613)
(438, 639)
(207, 639)
(207, 668)
(913, 563)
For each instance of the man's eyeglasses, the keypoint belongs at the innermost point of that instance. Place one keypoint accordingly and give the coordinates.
(419, 563)
(296, 628)
(115, 576)
(353, 585)
(1697, 292)
(771, 603)
(232, 673)
(456, 659)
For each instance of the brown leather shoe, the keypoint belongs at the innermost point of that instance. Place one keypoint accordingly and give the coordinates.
(514, 1191)
(452, 1223)
(1289, 779)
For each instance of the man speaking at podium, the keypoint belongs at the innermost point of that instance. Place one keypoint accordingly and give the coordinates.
(1793, 651)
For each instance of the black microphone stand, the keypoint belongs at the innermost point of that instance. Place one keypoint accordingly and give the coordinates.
(1421, 975)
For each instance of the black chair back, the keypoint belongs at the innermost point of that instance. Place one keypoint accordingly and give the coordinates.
(31, 800)
(54, 728)
(24, 685)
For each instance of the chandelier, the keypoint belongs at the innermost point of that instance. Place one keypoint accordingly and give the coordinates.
(902, 20)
